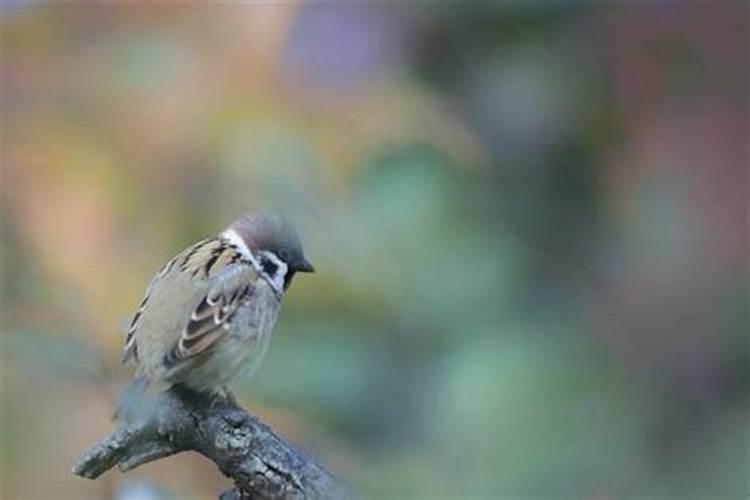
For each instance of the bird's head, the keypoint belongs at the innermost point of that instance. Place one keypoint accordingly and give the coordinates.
(274, 245)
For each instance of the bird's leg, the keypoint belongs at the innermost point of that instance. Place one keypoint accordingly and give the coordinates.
(223, 395)
(229, 395)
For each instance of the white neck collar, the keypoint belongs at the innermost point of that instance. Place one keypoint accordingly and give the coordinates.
(236, 240)
(231, 236)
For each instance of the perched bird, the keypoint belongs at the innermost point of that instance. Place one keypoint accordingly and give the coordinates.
(207, 315)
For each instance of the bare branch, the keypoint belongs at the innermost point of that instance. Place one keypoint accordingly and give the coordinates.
(262, 465)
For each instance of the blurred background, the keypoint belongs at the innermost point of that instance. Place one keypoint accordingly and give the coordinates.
(528, 221)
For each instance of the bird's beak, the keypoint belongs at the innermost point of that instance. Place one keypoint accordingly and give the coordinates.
(304, 266)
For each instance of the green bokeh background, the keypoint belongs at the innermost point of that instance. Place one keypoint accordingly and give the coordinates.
(528, 221)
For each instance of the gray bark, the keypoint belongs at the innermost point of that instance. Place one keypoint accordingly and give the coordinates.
(261, 464)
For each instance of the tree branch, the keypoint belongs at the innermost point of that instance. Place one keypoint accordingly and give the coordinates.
(261, 464)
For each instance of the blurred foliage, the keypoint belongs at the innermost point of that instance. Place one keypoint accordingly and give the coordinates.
(528, 221)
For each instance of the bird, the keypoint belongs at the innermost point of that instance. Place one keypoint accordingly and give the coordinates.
(207, 315)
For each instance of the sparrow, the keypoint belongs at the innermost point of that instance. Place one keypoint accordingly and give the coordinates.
(207, 315)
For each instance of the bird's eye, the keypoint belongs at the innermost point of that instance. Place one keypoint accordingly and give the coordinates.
(269, 266)
(284, 255)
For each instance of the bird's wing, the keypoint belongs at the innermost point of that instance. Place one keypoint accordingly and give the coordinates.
(131, 347)
(209, 261)
(212, 317)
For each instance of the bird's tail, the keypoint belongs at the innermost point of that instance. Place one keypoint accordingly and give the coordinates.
(136, 401)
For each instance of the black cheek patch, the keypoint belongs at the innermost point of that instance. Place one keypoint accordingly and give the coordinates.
(269, 267)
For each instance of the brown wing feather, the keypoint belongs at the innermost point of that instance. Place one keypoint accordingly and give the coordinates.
(205, 259)
(131, 348)
(212, 317)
